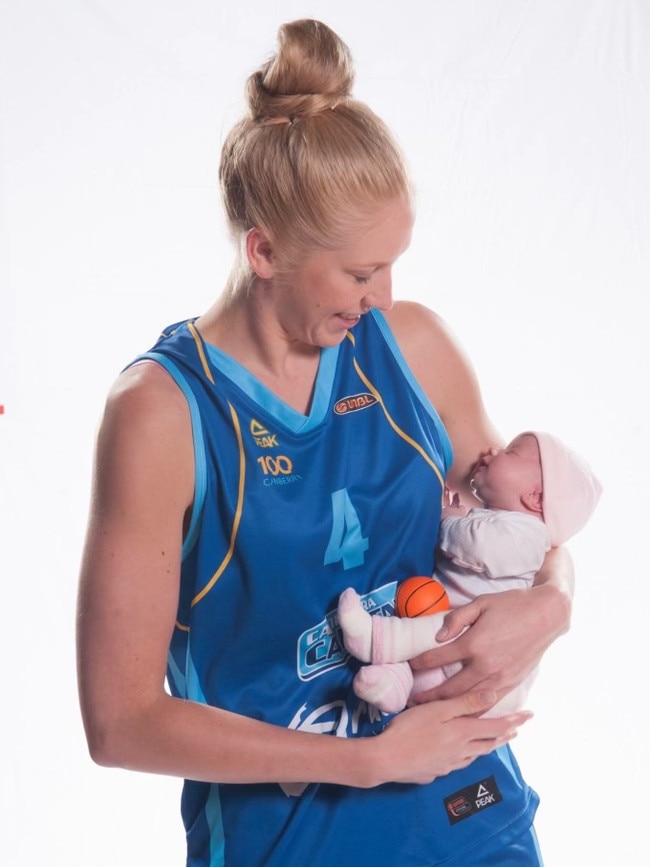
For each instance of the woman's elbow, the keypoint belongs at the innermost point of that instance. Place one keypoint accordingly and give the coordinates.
(105, 741)
(113, 729)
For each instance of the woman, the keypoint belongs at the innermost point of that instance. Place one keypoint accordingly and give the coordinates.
(260, 459)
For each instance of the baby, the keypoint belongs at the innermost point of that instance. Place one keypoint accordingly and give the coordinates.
(535, 494)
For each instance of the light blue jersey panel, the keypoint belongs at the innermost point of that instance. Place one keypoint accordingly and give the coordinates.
(291, 510)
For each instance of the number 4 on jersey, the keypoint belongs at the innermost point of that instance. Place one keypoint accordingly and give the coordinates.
(346, 542)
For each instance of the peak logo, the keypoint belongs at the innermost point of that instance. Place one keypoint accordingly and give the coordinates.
(263, 438)
(354, 402)
(472, 799)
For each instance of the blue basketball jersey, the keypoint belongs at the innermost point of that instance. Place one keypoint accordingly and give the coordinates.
(289, 510)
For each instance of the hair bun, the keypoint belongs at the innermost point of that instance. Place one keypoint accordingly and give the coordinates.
(311, 72)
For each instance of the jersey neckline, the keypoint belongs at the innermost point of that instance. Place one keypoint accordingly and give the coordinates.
(273, 405)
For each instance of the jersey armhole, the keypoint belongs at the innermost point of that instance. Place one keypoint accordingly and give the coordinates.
(389, 337)
(200, 472)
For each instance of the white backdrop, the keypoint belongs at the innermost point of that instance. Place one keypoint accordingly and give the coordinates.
(527, 125)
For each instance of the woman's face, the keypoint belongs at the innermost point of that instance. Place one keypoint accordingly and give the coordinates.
(319, 300)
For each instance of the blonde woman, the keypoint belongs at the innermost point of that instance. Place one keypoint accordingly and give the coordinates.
(259, 459)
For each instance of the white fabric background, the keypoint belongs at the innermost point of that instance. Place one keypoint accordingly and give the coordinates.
(527, 125)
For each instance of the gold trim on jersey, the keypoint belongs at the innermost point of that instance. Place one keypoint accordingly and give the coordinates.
(390, 420)
(236, 520)
(238, 510)
(242, 477)
(199, 345)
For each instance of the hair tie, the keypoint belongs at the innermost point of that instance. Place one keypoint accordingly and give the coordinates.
(309, 106)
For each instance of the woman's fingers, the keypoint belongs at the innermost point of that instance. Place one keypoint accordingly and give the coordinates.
(431, 740)
(470, 704)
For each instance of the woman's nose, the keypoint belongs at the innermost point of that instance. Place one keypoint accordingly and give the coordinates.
(381, 295)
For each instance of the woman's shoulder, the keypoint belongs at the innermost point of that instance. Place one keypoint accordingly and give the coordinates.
(145, 382)
(426, 341)
(144, 400)
(412, 316)
(145, 437)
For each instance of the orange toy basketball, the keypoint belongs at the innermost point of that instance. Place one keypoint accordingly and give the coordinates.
(419, 596)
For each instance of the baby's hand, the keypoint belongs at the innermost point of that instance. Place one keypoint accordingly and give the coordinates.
(453, 509)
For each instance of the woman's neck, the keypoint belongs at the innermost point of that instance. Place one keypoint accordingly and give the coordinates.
(243, 330)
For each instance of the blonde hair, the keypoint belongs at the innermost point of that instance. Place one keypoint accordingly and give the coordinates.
(308, 160)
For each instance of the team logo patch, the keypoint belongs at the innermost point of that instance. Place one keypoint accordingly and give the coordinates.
(472, 799)
(354, 402)
(320, 648)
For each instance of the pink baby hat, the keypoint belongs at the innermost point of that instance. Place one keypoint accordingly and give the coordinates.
(571, 491)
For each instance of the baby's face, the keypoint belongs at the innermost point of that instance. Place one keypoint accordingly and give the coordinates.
(504, 476)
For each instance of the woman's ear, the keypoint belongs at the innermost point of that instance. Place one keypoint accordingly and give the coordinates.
(259, 251)
(533, 500)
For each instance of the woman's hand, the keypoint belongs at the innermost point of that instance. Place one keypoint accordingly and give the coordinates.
(505, 636)
(431, 740)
